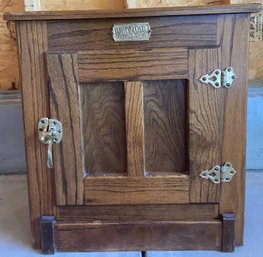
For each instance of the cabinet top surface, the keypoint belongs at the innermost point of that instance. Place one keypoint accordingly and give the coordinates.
(143, 12)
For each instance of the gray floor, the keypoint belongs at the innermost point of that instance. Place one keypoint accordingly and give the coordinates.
(15, 231)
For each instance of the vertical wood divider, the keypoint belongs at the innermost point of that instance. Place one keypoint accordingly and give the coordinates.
(64, 105)
(134, 128)
(205, 111)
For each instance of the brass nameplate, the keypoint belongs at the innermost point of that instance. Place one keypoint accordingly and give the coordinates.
(131, 32)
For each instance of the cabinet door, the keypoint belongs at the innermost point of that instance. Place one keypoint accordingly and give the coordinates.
(133, 135)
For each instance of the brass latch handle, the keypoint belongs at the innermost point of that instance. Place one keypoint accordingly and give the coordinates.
(50, 155)
(50, 132)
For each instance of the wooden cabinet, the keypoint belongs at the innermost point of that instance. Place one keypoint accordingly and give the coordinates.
(138, 127)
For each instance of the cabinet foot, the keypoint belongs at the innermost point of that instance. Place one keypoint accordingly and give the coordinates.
(47, 234)
(228, 232)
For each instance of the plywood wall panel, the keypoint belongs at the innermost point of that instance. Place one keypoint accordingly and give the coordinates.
(168, 3)
(80, 4)
(256, 60)
(8, 56)
(56, 5)
(256, 46)
(256, 41)
(11, 5)
(8, 50)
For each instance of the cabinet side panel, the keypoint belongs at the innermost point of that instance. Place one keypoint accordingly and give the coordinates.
(234, 53)
(32, 42)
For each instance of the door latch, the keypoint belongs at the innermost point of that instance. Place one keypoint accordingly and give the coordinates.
(220, 78)
(50, 132)
(219, 174)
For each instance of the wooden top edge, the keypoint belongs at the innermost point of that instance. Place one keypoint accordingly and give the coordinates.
(142, 12)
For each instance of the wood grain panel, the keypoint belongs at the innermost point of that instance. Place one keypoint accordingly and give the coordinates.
(136, 190)
(147, 212)
(134, 128)
(235, 101)
(103, 126)
(141, 64)
(165, 126)
(138, 236)
(205, 125)
(64, 106)
(166, 32)
(32, 43)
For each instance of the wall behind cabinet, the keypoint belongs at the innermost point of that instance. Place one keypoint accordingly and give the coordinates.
(8, 56)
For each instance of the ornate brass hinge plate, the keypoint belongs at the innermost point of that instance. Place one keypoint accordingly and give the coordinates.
(49, 132)
(140, 31)
(220, 78)
(219, 174)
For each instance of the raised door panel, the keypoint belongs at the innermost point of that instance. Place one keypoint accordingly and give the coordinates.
(103, 128)
(165, 127)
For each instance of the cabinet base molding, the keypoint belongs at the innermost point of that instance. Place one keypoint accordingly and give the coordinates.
(214, 234)
(138, 236)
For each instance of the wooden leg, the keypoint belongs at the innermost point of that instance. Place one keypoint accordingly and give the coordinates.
(47, 234)
(228, 232)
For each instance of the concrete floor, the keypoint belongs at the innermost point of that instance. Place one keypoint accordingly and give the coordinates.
(15, 230)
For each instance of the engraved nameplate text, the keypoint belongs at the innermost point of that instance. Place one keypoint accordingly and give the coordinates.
(131, 32)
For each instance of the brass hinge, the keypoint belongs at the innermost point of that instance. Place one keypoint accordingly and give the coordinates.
(220, 78)
(219, 174)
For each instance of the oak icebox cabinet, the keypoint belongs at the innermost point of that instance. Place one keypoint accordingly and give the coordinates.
(135, 127)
